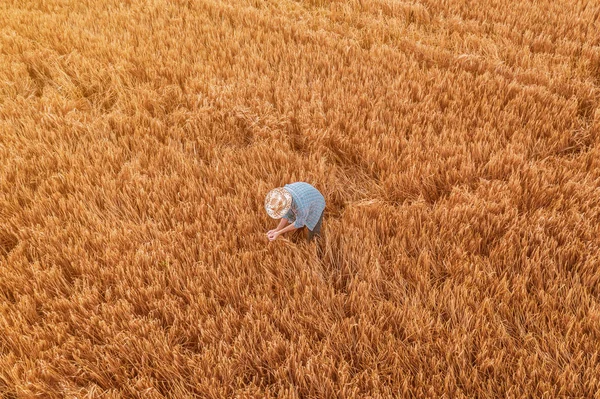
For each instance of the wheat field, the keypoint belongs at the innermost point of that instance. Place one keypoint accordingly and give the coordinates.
(457, 144)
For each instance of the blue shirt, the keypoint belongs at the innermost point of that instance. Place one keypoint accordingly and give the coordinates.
(307, 205)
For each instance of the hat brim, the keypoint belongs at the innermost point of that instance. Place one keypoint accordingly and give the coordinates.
(279, 213)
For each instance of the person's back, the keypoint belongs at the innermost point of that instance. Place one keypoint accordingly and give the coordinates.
(299, 203)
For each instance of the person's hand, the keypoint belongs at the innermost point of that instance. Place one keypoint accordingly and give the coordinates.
(272, 235)
(271, 232)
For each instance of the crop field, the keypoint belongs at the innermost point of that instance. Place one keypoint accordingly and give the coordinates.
(457, 144)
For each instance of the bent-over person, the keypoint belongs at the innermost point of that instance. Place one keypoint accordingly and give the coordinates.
(297, 205)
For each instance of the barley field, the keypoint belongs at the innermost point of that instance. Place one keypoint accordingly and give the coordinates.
(457, 144)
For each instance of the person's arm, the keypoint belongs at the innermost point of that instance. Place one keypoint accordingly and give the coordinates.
(282, 223)
(276, 234)
(291, 227)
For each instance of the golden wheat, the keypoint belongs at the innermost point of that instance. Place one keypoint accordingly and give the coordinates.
(457, 145)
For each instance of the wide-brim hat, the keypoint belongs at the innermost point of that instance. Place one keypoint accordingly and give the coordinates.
(278, 202)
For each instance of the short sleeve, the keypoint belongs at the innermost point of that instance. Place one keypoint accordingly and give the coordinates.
(289, 216)
(300, 220)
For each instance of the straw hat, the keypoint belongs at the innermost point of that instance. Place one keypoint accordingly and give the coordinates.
(278, 202)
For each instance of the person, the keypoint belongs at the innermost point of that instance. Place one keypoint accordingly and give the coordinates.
(297, 205)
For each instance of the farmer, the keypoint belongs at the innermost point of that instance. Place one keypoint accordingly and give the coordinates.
(299, 204)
